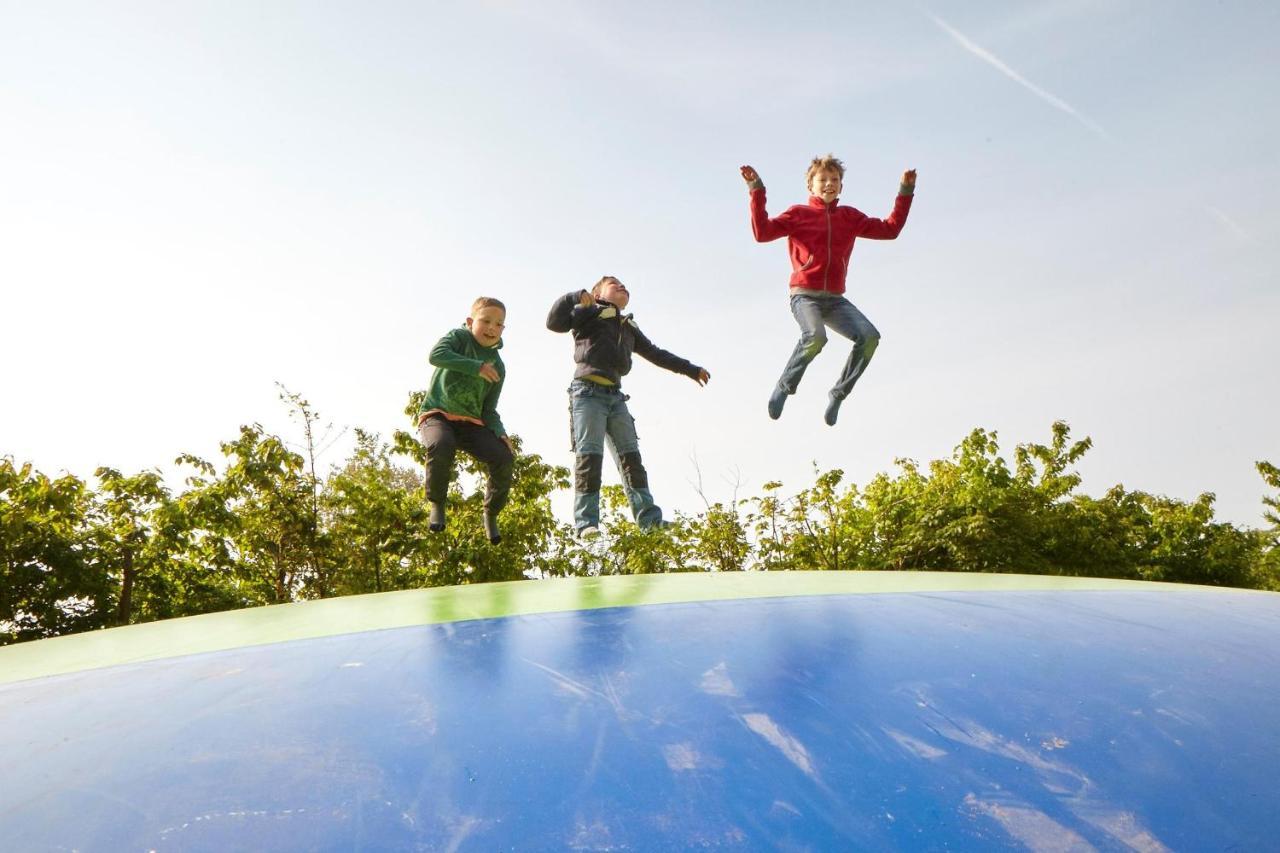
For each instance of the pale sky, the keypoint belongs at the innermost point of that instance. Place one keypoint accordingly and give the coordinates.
(200, 199)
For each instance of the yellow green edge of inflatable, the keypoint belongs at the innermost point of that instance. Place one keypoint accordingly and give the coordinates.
(352, 614)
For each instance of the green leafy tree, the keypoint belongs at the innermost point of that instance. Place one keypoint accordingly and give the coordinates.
(901, 522)
(318, 547)
(823, 524)
(767, 528)
(1267, 572)
(373, 512)
(139, 531)
(1097, 537)
(1271, 476)
(716, 539)
(1183, 544)
(256, 519)
(49, 582)
(968, 513)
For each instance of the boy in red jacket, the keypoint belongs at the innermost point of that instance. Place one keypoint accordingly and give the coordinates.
(820, 238)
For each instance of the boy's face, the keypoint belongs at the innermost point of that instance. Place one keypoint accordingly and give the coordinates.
(825, 184)
(615, 292)
(486, 325)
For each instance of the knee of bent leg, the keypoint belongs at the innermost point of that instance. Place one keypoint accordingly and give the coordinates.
(814, 342)
(504, 462)
(440, 444)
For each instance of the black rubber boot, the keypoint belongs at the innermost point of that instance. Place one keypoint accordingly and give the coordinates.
(435, 518)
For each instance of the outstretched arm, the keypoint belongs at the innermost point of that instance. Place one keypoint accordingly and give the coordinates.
(647, 350)
(763, 228)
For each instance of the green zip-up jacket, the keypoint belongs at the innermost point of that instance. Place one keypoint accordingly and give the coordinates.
(456, 386)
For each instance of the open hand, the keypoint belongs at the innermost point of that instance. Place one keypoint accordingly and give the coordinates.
(909, 177)
(749, 174)
(703, 377)
(489, 373)
(506, 439)
(586, 300)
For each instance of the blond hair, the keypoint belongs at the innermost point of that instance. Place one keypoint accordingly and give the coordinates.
(827, 163)
(486, 302)
(595, 290)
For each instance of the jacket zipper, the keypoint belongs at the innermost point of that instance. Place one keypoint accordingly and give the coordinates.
(826, 271)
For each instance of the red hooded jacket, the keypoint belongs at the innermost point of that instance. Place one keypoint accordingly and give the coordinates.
(820, 236)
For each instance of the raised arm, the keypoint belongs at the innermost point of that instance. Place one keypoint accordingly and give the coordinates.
(572, 310)
(763, 228)
(890, 228)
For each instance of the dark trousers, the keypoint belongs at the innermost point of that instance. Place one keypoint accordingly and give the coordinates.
(442, 438)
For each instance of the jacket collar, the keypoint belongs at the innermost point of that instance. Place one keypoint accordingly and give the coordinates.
(611, 310)
(814, 201)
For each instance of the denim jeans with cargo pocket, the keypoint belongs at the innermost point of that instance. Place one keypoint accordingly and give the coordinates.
(599, 416)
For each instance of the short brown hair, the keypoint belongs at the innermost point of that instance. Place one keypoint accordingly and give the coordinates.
(486, 302)
(595, 290)
(826, 163)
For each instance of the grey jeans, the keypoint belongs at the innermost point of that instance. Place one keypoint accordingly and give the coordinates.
(815, 315)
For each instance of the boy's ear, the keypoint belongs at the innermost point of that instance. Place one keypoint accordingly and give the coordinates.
(468, 322)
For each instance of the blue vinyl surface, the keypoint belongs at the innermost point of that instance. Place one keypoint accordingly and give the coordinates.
(946, 721)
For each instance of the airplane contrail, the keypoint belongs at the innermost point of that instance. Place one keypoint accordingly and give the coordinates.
(1235, 227)
(993, 60)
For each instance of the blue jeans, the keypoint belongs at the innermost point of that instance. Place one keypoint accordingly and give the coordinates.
(815, 314)
(598, 414)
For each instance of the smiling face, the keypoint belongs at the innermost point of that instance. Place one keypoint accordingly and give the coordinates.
(486, 325)
(612, 291)
(825, 184)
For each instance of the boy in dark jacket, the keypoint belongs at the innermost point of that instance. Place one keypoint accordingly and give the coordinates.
(603, 340)
(461, 410)
(820, 237)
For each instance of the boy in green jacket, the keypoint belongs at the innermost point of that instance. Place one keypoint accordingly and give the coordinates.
(461, 410)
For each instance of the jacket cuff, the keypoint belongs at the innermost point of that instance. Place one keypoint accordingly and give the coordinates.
(906, 189)
(757, 184)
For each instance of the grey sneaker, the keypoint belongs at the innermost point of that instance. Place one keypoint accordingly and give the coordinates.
(777, 400)
(833, 410)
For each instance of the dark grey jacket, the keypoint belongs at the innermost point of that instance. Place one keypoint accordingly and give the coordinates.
(603, 340)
